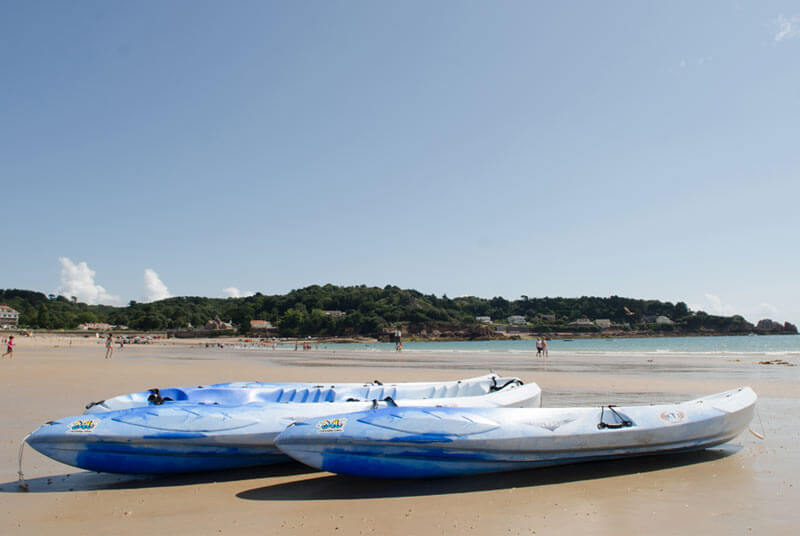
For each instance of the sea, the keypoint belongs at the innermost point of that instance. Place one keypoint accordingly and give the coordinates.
(768, 346)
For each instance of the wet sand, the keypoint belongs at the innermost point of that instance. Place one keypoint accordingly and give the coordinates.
(744, 487)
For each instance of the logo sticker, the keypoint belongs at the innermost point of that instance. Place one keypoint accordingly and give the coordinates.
(82, 426)
(331, 425)
(673, 416)
(553, 425)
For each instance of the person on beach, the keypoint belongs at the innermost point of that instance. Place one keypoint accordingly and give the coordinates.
(10, 348)
(544, 347)
(539, 347)
(110, 346)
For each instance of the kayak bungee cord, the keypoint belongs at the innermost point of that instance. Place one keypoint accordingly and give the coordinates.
(623, 421)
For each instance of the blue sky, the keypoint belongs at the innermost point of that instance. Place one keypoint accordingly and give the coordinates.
(467, 148)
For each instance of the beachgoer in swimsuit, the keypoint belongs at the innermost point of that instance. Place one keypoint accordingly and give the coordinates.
(110, 346)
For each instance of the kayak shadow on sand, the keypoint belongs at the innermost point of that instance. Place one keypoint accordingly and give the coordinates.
(90, 481)
(338, 487)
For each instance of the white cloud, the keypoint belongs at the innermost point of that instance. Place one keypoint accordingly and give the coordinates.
(786, 27)
(78, 280)
(696, 62)
(154, 288)
(718, 307)
(767, 309)
(233, 292)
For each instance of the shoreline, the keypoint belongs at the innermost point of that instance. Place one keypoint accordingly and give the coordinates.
(162, 336)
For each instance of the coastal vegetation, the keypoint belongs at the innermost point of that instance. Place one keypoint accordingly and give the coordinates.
(332, 311)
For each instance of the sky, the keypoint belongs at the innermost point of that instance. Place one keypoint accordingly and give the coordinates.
(649, 150)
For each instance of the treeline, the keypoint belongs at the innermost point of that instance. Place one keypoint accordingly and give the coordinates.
(367, 311)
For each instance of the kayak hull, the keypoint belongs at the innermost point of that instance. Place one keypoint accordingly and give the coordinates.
(185, 437)
(440, 442)
(157, 458)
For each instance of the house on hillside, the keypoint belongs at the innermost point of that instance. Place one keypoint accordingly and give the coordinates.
(9, 318)
(335, 314)
(517, 320)
(602, 323)
(582, 322)
(484, 319)
(218, 324)
(657, 319)
(96, 326)
(261, 325)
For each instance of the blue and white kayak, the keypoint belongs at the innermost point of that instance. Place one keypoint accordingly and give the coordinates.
(187, 437)
(237, 393)
(407, 442)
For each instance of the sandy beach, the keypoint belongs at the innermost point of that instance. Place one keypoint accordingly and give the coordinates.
(744, 487)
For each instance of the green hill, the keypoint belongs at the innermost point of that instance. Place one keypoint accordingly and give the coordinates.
(331, 310)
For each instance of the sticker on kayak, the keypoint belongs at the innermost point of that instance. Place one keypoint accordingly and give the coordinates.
(673, 416)
(82, 426)
(331, 425)
(553, 425)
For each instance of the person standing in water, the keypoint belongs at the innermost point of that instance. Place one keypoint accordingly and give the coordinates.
(110, 346)
(539, 347)
(544, 347)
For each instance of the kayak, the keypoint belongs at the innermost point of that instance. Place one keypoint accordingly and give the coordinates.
(189, 437)
(407, 442)
(237, 393)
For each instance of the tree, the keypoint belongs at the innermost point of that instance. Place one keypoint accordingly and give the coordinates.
(87, 318)
(43, 318)
(29, 317)
(151, 322)
(371, 325)
(242, 317)
(291, 322)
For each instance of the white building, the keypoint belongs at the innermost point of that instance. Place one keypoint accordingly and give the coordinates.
(8, 316)
(662, 320)
(603, 323)
(484, 319)
(517, 320)
(99, 326)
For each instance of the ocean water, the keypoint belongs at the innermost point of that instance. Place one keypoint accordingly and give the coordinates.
(771, 346)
